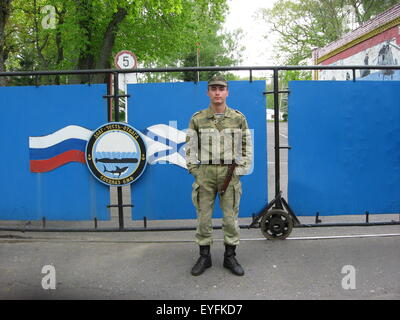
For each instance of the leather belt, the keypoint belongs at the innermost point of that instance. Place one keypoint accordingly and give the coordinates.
(221, 162)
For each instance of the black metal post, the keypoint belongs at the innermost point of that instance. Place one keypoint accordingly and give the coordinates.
(120, 208)
(116, 118)
(317, 220)
(116, 98)
(276, 123)
(109, 97)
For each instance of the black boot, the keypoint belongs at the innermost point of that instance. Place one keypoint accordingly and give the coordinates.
(203, 262)
(230, 261)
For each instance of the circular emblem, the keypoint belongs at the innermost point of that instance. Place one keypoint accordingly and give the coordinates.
(116, 154)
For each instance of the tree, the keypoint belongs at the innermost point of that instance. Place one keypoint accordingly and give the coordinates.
(202, 21)
(210, 47)
(5, 9)
(211, 50)
(86, 34)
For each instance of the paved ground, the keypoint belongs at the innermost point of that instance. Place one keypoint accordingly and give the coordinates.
(156, 265)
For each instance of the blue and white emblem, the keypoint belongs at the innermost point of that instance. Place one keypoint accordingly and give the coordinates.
(116, 154)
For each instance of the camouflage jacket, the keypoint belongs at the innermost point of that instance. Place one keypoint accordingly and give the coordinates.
(213, 140)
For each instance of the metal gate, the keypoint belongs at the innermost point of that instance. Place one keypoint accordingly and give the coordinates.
(64, 106)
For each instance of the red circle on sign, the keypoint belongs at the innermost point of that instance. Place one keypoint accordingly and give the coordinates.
(131, 54)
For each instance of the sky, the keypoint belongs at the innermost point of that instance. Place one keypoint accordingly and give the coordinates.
(258, 50)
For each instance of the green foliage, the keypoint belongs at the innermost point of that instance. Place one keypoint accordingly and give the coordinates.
(289, 75)
(211, 50)
(86, 34)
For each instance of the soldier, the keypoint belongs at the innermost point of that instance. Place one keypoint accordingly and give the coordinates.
(218, 152)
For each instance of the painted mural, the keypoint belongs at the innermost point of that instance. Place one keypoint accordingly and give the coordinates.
(385, 53)
(375, 43)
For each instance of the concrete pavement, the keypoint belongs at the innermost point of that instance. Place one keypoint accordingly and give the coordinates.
(156, 265)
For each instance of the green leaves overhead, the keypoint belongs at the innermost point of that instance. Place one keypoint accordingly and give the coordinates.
(86, 34)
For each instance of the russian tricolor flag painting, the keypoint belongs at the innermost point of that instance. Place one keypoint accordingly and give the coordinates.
(54, 150)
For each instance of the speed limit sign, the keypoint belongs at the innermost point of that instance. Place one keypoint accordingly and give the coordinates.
(125, 60)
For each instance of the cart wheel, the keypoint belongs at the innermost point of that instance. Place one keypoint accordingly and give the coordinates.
(276, 224)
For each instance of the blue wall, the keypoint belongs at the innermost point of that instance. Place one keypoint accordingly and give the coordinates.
(69, 192)
(345, 156)
(345, 139)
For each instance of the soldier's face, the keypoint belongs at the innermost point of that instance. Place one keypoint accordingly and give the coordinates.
(217, 94)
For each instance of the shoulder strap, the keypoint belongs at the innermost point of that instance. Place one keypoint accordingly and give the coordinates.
(239, 112)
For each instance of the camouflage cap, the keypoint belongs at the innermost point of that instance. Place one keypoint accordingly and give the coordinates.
(217, 81)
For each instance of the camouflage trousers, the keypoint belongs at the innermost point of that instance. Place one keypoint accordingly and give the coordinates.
(209, 179)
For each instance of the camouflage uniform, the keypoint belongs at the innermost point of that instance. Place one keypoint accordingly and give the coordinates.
(212, 144)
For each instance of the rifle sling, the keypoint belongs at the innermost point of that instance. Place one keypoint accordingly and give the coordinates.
(228, 178)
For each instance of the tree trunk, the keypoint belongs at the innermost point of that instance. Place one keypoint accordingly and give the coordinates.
(60, 49)
(108, 43)
(86, 57)
(4, 14)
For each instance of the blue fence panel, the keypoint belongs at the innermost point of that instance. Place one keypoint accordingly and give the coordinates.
(68, 192)
(345, 155)
(164, 189)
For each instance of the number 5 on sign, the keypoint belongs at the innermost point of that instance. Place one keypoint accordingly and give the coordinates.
(125, 60)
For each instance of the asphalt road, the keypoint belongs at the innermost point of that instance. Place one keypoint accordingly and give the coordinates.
(156, 265)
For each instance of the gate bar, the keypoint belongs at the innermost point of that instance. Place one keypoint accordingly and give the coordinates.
(129, 229)
(200, 69)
